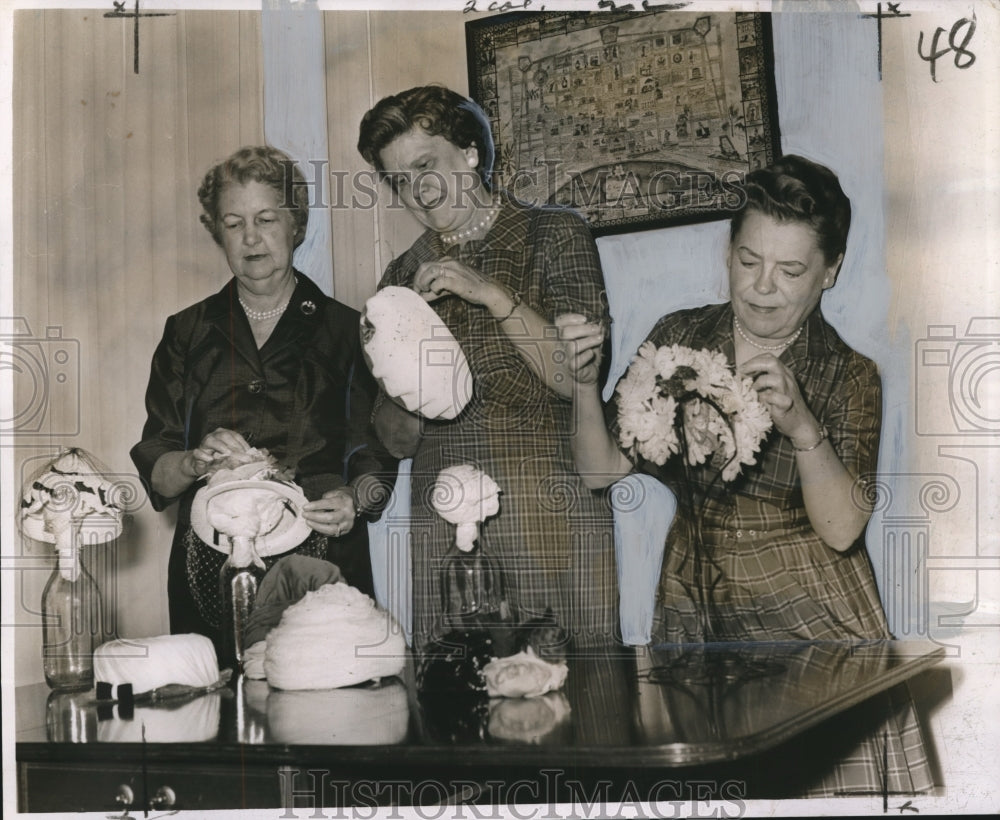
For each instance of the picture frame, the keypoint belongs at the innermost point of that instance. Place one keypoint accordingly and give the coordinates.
(674, 106)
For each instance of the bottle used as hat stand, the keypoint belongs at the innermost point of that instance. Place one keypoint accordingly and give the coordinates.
(472, 590)
(71, 504)
(71, 613)
(472, 584)
(228, 517)
(239, 580)
(72, 605)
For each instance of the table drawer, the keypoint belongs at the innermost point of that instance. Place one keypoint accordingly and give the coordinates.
(47, 787)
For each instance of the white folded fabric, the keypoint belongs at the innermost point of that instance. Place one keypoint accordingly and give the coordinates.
(149, 663)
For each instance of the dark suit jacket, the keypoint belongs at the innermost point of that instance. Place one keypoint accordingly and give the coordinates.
(306, 395)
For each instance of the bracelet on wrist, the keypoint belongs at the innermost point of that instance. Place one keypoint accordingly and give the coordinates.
(823, 436)
(356, 496)
(515, 300)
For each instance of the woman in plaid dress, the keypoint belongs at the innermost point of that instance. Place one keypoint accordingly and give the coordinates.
(497, 272)
(786, 537)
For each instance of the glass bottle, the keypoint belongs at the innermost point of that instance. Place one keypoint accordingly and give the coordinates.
(71, 613)
(472, 589)
(70, 717)
(239, 580)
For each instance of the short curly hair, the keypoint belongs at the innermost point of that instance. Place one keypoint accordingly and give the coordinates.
(436, 110)
(257, 163)
(796, 189)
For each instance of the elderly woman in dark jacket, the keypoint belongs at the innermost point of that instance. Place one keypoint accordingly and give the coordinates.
(268, 362)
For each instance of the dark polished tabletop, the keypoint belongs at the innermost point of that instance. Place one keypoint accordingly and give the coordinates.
(663, 707)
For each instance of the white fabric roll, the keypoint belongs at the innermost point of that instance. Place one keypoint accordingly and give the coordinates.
(149, 663)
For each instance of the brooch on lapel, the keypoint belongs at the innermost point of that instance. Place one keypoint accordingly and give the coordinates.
(308, 307)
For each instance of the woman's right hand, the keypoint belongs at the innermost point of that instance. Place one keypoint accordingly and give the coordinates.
(177, 470)
(216, 445)
(443, 276)
(582, 341)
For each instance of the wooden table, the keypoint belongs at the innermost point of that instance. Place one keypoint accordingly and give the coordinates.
(643, 718)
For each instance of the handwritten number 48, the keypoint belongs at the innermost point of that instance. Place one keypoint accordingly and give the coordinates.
(954, 44)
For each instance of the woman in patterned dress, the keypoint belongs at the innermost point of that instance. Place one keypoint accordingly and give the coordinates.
(497, 272)
(786, 537)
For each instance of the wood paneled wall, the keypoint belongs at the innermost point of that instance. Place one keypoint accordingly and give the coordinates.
(107, 242)
(107, 238)
(370, 55)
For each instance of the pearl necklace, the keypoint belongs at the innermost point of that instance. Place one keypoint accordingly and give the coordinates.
(457, 236)
(779, 346)
(262, 315)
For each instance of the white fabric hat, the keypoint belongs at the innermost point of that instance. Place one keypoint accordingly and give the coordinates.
(414, 355)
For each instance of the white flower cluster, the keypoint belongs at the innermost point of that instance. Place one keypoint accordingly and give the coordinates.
(465, 496)
(700, 383)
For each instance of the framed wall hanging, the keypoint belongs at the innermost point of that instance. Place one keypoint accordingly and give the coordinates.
(637, 120)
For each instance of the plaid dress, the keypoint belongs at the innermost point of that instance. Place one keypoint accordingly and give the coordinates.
(552, 538)
(773, 577)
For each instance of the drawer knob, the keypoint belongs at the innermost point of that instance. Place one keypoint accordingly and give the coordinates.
(125, 796)
(164, 798)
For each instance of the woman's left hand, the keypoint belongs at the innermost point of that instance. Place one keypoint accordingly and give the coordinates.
(333, 514)
(582, 340)
(436, 279)
(778, 390)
